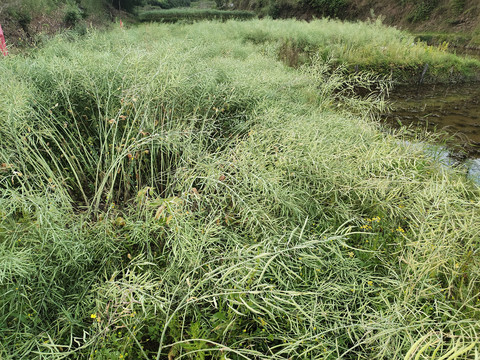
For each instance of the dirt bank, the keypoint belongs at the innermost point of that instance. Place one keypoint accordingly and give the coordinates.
(460, 19)
(26, 26)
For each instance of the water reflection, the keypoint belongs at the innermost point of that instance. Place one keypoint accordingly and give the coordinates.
(453, 108)
(474, 170)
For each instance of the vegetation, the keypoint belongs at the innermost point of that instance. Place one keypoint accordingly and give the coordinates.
(459, 41)
(440, 16)
(331, 8)
(168, 4)
(127, 5)
(26, 22)
(282, 8)
(422, 10)
(177, 191)
(187, 14)
(38, 7)
(358, 46)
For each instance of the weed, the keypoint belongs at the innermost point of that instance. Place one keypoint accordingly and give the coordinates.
(422, 11)
(72, 14)
(174, 15)
(168, 4)
(457, 6)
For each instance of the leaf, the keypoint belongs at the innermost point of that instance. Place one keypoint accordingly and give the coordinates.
(173, 352)
(159, 212)
(219, 316)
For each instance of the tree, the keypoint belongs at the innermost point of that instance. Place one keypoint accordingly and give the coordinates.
(127, 5)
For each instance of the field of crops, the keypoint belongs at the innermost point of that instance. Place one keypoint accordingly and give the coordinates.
(220, 191)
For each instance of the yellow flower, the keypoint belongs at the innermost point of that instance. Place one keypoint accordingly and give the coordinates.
(93, 316)
(370, 283)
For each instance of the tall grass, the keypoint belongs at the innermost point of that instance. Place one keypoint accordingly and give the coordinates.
(193, 14)
(178, 191)
(367, 46)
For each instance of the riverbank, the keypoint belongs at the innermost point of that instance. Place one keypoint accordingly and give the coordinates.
(177, 190)
(444, 22)
(446, 17)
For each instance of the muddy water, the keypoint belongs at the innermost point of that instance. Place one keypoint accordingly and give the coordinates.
(454, 109)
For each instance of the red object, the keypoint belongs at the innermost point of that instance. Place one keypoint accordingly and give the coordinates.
(121, 23)
(3, 46)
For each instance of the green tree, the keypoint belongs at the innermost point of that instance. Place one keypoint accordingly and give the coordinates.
(127, 5)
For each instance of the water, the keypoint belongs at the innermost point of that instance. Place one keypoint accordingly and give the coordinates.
(453, 109)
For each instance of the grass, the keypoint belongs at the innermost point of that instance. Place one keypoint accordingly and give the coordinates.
(459, 40)
(177, 191)
(360, 45)
(193, 14)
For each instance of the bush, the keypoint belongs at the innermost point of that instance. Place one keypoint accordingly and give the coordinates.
(278, 8)
(331, 8)
(457, 6)
(72, 14)
(422, 11)
(21, 15)
(168, 4)
(127, 5)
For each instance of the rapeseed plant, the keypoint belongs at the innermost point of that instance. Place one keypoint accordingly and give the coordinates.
(220, 213)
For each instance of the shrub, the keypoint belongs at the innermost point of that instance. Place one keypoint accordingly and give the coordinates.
(331, 8)
(278, 8)
(168, 4)
(174, 15)
(72, 14)
(422, 10)
(21, 15)
(457, 6)
(127, 5)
